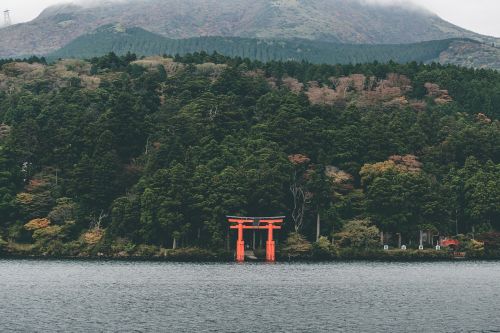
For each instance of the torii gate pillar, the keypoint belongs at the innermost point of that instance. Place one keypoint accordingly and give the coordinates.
(240, 244)
(270, 244)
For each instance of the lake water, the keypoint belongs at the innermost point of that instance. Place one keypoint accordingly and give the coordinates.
(77, 296)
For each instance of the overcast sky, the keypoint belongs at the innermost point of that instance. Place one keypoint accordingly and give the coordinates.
(481, 16)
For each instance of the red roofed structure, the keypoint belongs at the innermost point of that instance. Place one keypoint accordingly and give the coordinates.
(449, 243)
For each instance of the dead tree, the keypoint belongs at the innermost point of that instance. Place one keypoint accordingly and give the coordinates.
(299, 203)
(300, 163)
(96, 221)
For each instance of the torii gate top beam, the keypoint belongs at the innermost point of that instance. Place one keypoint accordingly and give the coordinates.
(246, 219)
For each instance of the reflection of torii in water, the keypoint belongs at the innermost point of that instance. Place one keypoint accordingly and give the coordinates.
(255, 223)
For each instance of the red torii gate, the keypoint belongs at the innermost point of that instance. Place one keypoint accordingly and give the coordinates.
(255, 223)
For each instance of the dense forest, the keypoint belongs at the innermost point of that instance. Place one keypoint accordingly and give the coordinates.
(117, 154)
(121, 40)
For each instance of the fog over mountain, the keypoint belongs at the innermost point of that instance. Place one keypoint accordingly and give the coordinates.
(343, 21)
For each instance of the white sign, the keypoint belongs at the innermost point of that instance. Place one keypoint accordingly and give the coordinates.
(420, 247)
(386, 247)
(438, 247)
(403, 247)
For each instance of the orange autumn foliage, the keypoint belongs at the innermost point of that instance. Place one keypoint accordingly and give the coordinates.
(440, 96)
(364, 91)
(321, 95)
(4, 131)
(93, 237)
(406, 163)
(481, 117)
(37, 224)
(298, 159)
(337, 176)
(397, 163)
(293, 84)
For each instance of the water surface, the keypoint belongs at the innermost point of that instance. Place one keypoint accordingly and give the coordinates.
(77, 296)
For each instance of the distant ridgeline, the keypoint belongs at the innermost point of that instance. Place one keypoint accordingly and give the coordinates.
(119, 40)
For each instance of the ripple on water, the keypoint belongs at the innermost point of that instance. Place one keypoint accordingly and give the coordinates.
(62, 296)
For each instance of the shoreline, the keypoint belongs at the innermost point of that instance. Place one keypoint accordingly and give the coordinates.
(280, 259)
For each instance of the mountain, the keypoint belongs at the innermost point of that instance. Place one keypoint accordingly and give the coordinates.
(339, 21)
(120, 40)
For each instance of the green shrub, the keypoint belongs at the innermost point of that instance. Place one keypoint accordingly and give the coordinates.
(74, 249)
(146, 251)
(359, 254)
(19, 249)
(360, 234)
(122, 247)
(417, 255)
(491, 242)
(473, 248)
(190, 254)
(296, 246)
(102, 248)
(323, 249)
(46, 234)
(3, 244)
(17, 233)
(54, 249)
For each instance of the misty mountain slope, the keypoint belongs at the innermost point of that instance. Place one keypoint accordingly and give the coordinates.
(466, 54)
(114, 38)
(345, 21)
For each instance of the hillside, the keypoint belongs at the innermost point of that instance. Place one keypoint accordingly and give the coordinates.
(120, 40)
(127, 157)
(341, 21)
(115, 38)
(477, 55)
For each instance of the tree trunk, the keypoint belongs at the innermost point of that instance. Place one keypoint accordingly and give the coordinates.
(253, 243)
(381, 238)
(318, 226)
(174, 245)
(333, 234)
(399, 240)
